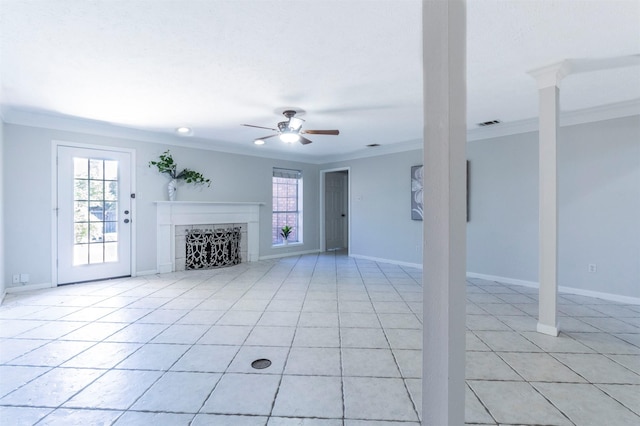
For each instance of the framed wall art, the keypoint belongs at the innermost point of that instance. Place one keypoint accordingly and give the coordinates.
(417, 197)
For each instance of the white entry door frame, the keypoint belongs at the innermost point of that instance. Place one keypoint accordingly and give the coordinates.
(126, 200)
(323, 203)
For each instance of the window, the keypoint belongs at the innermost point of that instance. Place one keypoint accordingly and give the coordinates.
(287, 204)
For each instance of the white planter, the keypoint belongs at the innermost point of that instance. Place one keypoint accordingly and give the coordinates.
(172, 187)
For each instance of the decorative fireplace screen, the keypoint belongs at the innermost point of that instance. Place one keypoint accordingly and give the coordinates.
(212, 248)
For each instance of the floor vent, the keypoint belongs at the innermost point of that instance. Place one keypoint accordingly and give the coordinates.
(260, 364)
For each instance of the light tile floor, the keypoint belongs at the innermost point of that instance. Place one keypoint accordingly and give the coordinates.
(344, 338)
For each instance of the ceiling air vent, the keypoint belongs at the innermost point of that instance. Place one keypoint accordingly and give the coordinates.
(373, 145)
(489, 123)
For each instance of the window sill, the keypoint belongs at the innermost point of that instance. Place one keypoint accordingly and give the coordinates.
(295, 244)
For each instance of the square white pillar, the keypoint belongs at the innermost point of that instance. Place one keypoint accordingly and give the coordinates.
(549, 112)
(444, 262)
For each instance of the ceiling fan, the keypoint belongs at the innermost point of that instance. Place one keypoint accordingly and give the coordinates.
(290, 131)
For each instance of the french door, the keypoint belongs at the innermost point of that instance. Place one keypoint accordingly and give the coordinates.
(93, 214)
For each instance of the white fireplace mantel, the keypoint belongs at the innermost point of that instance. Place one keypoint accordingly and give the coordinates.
(170, 214)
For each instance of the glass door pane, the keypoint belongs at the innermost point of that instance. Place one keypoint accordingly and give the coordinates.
(95, 219)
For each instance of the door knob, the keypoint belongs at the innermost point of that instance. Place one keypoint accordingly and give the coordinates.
(126, 221)
(126, 212)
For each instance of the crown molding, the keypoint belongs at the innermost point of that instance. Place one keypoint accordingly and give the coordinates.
(393, 148)
(93, 127)
(567, 118)
(100, 128)
(551, 75)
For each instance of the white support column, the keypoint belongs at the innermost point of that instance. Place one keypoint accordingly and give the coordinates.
(444, 261)
(549, 92)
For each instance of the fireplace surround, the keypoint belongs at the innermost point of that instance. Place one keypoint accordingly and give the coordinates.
(170, 214)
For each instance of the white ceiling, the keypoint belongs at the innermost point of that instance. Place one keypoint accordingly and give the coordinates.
(352, 65)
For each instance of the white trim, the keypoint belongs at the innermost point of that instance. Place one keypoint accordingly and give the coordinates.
(100, 128)
(581, 65)
(600, 113)
(291, 244)
(170, 214)
(547, 329)
(54, 199)
(504, 280)
(54, 212)
(390, 261)
(289, 254)
(80, 125)
(630, 300)
(567, 118)
(29, 287)
(550, 75)
(392, 148)
(148, 272)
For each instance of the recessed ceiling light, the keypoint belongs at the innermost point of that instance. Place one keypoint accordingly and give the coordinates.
(184, 131)
(258, 142)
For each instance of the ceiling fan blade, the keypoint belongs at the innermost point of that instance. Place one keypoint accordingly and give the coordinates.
(322, 132)
(304, 141)
(270, 136)
(260, 127)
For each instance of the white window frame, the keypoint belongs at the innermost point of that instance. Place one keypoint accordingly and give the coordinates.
(298, 227)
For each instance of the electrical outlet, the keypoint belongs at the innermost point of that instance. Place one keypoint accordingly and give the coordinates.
(592, 267)
(16, 278)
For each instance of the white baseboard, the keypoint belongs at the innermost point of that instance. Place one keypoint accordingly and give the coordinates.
(503, 280)
(142, 273)
(381, 260)
(29, 287)
(563, 289)
(548, 329)
(4, 293)
(597, 294)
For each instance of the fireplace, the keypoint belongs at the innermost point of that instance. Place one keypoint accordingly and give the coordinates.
(212, 248)
(195, 245)
(174, 218)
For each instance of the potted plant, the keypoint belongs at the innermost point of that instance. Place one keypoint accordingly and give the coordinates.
(165, 164)
(286, 230)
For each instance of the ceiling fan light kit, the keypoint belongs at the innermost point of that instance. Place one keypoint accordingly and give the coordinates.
(290, 131)
(289, 137)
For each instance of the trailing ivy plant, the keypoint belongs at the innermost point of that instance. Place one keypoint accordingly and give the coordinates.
(165, 164)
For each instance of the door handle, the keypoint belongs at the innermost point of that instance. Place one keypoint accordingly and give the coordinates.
(126, 221)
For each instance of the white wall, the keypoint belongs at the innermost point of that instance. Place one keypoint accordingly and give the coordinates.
(28, 195)
(2, 204)
(381, 225)
(598, 198)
